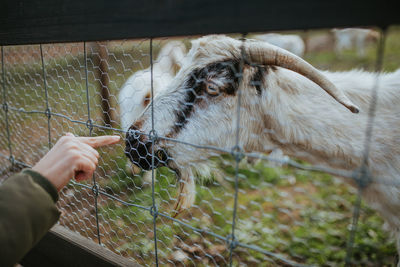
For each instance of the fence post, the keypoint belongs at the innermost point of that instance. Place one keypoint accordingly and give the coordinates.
(46, 95)
(102, 74)
(6, 109)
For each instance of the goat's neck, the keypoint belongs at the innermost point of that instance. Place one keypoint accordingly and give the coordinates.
(314, 127)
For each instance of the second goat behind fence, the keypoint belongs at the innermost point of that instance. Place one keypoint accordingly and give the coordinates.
(290, 42)
(354, 38)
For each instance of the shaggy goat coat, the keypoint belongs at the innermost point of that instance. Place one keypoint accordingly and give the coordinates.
(283, 110)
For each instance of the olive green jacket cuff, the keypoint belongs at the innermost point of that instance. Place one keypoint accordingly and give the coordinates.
(44, 183)
(27, 212)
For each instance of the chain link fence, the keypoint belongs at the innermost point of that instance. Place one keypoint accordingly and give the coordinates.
(250, 208)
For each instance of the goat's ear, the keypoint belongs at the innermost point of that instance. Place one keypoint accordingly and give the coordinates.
(192, 42)
(195, 43)
(176, 67)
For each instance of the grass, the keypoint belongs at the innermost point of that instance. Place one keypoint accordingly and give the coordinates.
(328, 60)
(305, 216)
(302, 215)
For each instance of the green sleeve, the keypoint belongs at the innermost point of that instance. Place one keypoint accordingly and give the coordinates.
(27, 212)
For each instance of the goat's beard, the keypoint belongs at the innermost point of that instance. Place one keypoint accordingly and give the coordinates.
(187, 183)
(186, 192)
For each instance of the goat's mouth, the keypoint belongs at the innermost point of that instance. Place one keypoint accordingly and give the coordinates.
(141, 151)
(144, 158)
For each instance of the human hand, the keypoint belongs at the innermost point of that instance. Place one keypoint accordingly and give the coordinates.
(72, 157)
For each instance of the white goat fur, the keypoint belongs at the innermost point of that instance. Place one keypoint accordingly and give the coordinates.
(290, 42)
(292, 114)
(134, 94)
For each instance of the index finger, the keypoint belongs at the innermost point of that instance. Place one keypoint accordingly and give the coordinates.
(100, 141)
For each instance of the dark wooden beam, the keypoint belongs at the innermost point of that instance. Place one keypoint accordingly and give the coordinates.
(44, 21)
(63, 248)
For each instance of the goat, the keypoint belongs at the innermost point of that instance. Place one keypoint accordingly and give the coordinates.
(290, 42)
(353, 38)
(282, 104)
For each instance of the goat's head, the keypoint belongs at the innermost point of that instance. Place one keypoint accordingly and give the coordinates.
(200, 105)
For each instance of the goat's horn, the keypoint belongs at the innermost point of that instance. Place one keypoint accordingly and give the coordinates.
(264, 53)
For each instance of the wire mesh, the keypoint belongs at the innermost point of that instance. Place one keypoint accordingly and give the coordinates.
(250, 208)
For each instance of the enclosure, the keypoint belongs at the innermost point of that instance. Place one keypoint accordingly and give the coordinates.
(63, 66)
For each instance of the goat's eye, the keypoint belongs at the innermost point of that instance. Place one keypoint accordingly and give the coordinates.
(212, 89)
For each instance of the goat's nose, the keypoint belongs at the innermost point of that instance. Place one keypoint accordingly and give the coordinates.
(133, 135)
(139, 151)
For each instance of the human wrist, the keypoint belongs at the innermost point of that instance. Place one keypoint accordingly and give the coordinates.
(44, 182)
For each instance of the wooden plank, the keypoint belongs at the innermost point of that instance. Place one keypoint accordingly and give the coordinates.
(61, 247)
(44, 21)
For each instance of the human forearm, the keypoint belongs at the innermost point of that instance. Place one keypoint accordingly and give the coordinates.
(27, 212)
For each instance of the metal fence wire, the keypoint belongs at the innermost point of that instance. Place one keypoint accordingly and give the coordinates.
(250, 208)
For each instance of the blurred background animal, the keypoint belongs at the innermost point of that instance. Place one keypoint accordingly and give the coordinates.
(290, 42)
(354, 38)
